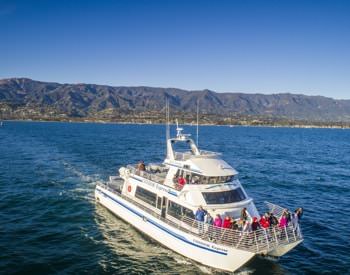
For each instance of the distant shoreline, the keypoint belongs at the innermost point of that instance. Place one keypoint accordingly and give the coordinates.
(306, 126)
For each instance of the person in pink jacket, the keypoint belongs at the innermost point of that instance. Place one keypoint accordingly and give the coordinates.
(283, 221)
(218, 221)
(217, 225)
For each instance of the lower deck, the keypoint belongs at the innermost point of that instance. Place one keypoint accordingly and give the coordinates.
(261, 241)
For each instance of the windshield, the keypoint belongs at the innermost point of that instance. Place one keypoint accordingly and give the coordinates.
(224, 197)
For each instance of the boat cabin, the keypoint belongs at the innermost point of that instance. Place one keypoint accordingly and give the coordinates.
(187, 180)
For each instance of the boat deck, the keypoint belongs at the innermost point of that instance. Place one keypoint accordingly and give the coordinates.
(260, 241)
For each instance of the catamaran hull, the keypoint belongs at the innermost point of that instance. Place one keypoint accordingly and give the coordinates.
(206, 253)
(282, 250)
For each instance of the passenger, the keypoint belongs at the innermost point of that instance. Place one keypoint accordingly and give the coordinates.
(195, 180)
(141, 166)
(217, 221)
(267, 216)
(255, 224)
(227, 222)
(181, 181)
(240, 224)
(217, 225)
(299, 212)
(244, 231)
(295, 219)
(227, 225)
(273, 220)
(264, 222)
(244, 214)
(234, 225)
(283, 222)
(246, 227)
(288, 215)
(199, 215)
(209, 223)
(209, 219)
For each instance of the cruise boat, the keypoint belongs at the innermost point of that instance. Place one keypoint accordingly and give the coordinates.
(153, 199)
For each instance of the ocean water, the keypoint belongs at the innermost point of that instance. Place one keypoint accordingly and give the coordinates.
(50, 223)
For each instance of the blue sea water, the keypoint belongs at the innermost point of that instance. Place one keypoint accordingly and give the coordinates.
(50, 223)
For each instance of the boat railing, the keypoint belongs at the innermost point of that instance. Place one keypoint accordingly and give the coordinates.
(275, 209)
(258, 241)
(261, 240)
(146, 174)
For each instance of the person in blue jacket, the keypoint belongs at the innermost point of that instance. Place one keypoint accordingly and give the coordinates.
(200, 214)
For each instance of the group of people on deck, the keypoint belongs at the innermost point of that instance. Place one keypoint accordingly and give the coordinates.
(247, 224)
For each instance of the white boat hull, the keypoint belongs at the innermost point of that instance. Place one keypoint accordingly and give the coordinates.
(190, 246)
(282, 250)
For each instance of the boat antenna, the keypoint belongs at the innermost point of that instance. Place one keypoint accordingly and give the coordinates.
(167, 125)
(197, 123)
(167, 110)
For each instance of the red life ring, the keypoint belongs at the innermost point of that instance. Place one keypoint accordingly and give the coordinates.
(129, 188)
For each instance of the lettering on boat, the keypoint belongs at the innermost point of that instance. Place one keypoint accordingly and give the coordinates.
(211, 246)
(160, 187)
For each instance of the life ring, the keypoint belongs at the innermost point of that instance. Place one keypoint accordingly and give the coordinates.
(129, 188)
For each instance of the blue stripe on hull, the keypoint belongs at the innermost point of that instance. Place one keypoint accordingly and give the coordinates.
(179, 237)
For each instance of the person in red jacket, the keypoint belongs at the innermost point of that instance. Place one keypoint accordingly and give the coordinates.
(181, 181)
(227, 222)
(264, 222)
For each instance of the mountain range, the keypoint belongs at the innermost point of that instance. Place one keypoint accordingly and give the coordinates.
(23, 98)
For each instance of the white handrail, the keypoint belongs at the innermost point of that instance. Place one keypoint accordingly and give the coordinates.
(146, 175)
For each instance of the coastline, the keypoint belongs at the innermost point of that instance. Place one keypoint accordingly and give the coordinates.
(301, 126)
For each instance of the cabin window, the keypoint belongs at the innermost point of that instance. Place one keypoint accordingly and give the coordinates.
(177, 211)
(226, 179)
(174, 210)
(159, 202)
(187, 212)
(211, 180)
(194, 178)
(146, 196)
(230, 196)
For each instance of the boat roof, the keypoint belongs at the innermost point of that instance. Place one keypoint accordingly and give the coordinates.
(203, 162)
(211, 167)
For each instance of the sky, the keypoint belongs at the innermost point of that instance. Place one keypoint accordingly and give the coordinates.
(226, 46)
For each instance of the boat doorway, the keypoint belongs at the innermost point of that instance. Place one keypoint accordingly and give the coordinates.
(164, 204)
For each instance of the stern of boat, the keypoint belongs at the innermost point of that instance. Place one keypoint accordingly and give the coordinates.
(285, 239)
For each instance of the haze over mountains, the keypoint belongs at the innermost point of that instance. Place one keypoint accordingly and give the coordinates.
(22, 98)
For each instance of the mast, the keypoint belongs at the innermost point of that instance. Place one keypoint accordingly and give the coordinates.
(197, 123)
(167, 129)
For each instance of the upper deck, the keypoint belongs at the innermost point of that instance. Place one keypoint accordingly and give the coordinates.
(195, 177)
